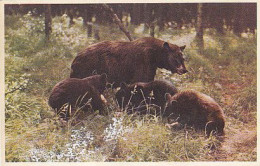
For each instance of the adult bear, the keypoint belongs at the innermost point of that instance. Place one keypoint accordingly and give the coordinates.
(144, 97)
(197, 109)
(129, 62)
(79, 93)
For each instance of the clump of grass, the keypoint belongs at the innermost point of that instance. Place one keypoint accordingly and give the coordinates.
(148, 139)
(200, 68)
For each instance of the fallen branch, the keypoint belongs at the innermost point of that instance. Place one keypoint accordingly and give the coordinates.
(118, 22)
(15, 89)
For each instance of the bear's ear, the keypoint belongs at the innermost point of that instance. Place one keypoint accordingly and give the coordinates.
(168, 97)
(166, 46)
(103, 77)
(138, 87)
(182, 47)
(123, 85)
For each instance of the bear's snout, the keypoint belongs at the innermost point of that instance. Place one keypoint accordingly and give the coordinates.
(182, 71)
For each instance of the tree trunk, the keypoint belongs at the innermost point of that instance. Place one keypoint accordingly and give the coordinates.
(152, 27)
(238, 25)
(47, 12)
(87, 19)
(218, 18)
(199, 29)
(135, 14)
(161, 15)
(152, 20)
(96, 34)
(70, 14)
(220, 25)
(147, 16)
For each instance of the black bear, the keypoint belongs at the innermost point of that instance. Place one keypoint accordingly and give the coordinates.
(197, 109)
(129, 62)
(140, 97)
(83, 93)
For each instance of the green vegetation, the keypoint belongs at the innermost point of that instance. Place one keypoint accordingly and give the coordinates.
(226, 71)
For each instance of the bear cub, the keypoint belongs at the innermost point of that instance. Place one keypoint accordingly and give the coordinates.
(82, 93)
(197, 109)
(140, 97)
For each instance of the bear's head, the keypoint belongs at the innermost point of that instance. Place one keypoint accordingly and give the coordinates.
(173, 58)
(172, 105)
(130, 95)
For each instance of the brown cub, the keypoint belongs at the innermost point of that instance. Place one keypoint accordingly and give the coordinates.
(77, 92)
(198, 109)
(128, 62)
(136, 97)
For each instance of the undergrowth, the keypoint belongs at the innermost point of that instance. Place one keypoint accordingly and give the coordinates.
(226, 71)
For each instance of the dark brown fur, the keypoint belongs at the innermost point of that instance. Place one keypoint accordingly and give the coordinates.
(136, 97)
(198, 109)
(129, 62)
(71, 89)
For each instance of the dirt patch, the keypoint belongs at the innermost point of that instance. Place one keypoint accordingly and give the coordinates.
(238, 147)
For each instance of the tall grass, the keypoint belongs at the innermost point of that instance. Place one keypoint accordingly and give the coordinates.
(33, 66)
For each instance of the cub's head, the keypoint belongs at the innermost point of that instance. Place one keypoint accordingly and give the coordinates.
(172, 106)
(101, 83)
(98, 81)
(173, 60)
(170, 102)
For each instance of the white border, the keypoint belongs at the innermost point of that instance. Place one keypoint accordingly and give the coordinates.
(2, 85)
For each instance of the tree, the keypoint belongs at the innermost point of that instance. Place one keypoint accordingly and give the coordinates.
(219, 22)
(147, 15)
(238, 20)
(199, 29)
(236, 17)
(251, 18)
(161, 15)
(216, 19)
(70, 14)
(87, 12)
(118, 21)
(47, 12)
(136, 14)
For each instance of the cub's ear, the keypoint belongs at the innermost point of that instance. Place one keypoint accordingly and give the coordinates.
(103, 77)
(138, 86)
(182, 47)
(168, 97)
(166, 46)
(123, 85)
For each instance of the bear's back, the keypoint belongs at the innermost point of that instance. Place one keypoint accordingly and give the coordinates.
(201, 102)
(67, 91)
(163, 86)
(70, 89)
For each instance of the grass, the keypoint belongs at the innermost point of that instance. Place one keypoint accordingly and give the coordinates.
(148, 139)
(225, 70)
